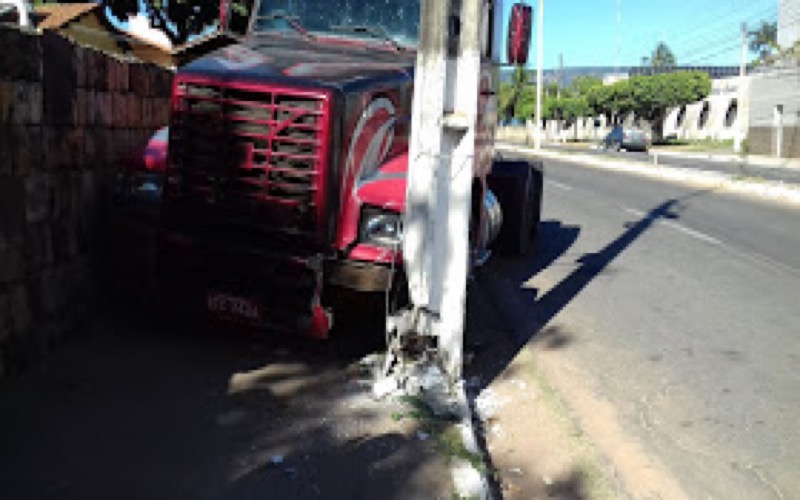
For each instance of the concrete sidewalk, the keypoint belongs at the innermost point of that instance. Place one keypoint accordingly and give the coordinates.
(717, 156)
(732, 181)
(139, 408)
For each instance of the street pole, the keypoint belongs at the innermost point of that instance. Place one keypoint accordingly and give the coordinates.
(740, 129)
(444, 128)
(619, 36)
(743, 64)
(539, 62)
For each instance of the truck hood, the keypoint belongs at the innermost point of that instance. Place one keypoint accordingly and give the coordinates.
(333, 63)
(387, 187)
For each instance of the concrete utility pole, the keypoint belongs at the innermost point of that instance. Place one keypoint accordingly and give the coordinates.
(443, 131)
(619, 36)
(738, 138)
(743, 63)
(539, 80)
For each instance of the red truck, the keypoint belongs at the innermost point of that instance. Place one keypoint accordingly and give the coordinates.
(280, 184)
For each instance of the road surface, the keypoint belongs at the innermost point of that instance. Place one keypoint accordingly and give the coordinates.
(668, 319)
(734, 168)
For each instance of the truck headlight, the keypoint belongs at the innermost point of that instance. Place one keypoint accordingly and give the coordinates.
(381, 227)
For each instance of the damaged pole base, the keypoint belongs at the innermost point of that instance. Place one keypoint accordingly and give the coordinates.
(413, 367)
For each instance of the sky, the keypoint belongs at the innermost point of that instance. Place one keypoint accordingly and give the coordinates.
(699, 32)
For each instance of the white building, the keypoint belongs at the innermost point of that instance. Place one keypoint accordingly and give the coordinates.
(720, 116)
(788, 23)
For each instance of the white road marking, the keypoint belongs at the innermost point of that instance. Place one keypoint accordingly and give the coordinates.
(637, 213)
(691, 232)
(559, 185)
(678, 227)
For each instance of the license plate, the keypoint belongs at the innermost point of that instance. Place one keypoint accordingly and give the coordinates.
(234, 308)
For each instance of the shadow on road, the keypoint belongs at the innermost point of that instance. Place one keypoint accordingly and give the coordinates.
(501, 302)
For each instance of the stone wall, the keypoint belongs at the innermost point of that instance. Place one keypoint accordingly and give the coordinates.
(69, 117)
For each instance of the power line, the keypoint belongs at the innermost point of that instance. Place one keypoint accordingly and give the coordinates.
(707, 44)
(706, 56)
(736, 19)
(720, 22)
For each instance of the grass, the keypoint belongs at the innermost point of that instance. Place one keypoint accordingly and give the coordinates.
(697, 145)
(748, 178)
(587, 459)
(442, 429)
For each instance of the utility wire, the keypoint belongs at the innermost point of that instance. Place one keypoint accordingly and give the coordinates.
(704, 37)
(730, 16)
(707, 56)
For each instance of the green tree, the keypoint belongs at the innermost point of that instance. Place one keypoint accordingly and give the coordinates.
(663, 57)
(650, 97)
(600, 101)
(511, 92)
(551, 89)
(525, 107)
(505, 95)
(569, 109)
(583, 85)
(178, 19)
(764, 40)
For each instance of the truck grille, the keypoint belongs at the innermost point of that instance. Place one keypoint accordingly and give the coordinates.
(255, 153)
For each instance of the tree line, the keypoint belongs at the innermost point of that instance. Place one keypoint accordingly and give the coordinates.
(649, 97)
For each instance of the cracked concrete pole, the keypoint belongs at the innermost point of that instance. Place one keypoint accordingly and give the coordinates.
(442, 152)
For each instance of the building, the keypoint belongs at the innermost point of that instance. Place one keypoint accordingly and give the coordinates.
(722, 116)
(788, 23)
(774, 124)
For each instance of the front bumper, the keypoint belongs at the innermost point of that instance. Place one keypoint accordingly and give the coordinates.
(359, 276)
(286, 288)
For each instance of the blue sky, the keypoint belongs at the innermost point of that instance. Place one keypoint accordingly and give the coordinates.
(700, 32)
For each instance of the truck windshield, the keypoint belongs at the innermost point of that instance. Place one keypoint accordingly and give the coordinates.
(396, 21)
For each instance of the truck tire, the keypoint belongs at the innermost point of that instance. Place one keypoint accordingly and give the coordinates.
(518, 186)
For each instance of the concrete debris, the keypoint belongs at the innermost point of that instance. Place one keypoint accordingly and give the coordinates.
(520, 384)
(496, 430)
(488, 404)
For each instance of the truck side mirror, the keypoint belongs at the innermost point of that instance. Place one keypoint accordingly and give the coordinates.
(519, 34)
(515, 35)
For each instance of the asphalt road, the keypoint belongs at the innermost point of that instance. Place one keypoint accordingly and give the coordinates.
(737, 168)
(677, 308)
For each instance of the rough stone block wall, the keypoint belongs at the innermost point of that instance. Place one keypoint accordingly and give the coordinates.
(69, 117)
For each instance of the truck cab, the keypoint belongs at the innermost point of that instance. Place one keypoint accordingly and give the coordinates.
(284, 172)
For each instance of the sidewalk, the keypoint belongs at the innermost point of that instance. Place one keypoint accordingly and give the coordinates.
(719, 156)
(775, 183)
(140, 408)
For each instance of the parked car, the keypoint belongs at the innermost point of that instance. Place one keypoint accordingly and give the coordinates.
(627, 139)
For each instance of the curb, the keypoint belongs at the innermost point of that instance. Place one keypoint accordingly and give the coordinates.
(777, 191)
(730, 158)
(469, 482)
(439, 395)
